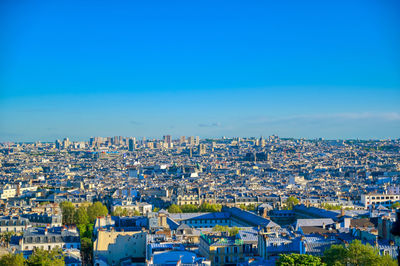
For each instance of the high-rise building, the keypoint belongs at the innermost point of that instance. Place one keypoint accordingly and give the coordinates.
(197, 140)
(262, 142)
(191, 140)
(168, 140)
(202, 149)
(58, 144)
(116, 140)
(131, 144)
(66, 143)
(182, 140)
(91, 142)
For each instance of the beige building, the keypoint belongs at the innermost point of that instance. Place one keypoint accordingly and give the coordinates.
(111, 247)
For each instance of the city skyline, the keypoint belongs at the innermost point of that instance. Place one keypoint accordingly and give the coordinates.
(309, 70)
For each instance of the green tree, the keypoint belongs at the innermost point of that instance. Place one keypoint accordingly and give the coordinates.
(291, 202)
(5, 237)
(232, 231)
(12, 260)
(298, 260)
(81, 216)
(250, 207)
(68, 212)
(328, 206)
(208, 207)
(360, 254)
(156, 209)
(395, 205)
(220, 228)
(95, 210)
(336, 255)
(136, 213)
(242, 206)
(356, 253)
(41, 257)
(86, 248)
(174, 209)
(189, 208)
(117, 211)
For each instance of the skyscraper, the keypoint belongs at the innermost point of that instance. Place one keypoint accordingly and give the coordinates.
(167, 139)
(132, 144)
(202, 149)
(191, 140)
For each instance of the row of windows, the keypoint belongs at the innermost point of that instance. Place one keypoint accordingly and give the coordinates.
(49, 247)
(228, 250)
(227, 259)
(205, 221)
(383, 197)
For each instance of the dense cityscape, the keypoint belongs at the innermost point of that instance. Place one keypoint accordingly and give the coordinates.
(191, 201)
(199, 133)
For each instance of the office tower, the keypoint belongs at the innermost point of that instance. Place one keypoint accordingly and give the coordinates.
(262, 142)
(91, 142)
(197, 140)
(150, 145)
(58, 144)
(115, 140)
(191, 140)
(202, 149)
(168, 141)
(132, 144)
(182, 140)
(66, 143)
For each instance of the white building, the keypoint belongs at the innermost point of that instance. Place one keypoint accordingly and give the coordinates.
(49, 238)
(372, 199)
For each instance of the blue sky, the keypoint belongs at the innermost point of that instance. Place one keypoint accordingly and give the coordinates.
(307, 69)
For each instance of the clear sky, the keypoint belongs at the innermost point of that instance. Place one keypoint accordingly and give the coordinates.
(214, 68)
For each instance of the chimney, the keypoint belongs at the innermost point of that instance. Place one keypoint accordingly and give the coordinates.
(342, 213)
(337, 225)
(323, 225)
(45, 231)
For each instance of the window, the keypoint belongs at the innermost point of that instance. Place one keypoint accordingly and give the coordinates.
(226, 258)
(216, 259)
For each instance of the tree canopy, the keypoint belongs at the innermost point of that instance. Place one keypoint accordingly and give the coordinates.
(395, 205)
(204, 207)
(12, 260)
(291, 202)
(68, 212)
(40, 257)
(174, 209)
(232, 231)
(43, 257)
(298, 260)
(95, 210)
(356, 253)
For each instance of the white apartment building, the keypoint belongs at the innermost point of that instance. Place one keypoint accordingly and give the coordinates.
(372, 199)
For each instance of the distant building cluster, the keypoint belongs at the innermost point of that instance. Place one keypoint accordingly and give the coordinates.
(192, 201)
